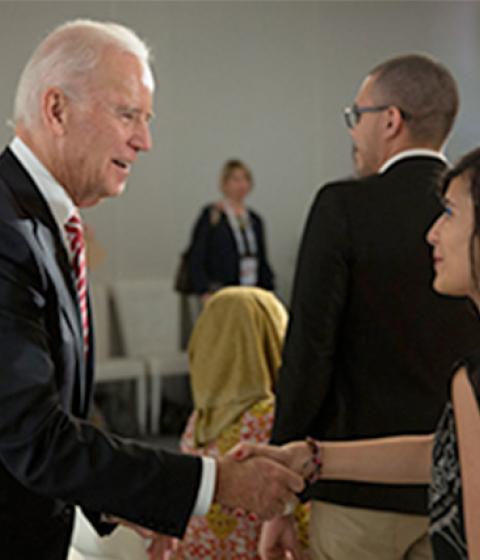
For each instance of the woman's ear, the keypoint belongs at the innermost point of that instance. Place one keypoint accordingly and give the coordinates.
(55, 106)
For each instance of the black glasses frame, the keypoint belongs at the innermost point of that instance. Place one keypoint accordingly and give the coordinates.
(354, 113)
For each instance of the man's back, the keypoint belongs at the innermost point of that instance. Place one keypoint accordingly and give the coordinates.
(377, 343)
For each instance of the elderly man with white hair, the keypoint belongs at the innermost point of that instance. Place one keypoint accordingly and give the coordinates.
(82, 112)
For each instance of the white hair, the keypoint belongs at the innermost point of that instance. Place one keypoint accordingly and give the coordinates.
(66, 58)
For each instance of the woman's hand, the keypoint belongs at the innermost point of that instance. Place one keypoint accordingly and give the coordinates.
(278, 540)
(297, 456)
(162, 547)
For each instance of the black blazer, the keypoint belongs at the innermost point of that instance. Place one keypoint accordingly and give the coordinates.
(49, 456)
(213, 255)
(369, 344)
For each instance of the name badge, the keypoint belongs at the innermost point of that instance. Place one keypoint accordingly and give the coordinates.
(248, 271)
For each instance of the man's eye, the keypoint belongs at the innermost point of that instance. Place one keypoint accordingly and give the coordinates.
(126, 115)
(448, 211)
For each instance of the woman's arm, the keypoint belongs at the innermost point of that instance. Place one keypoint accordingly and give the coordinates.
(390, 460)
(198, 253)
(266, 275)
(467, 419)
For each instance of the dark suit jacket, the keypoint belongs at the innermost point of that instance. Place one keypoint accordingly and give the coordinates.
(49, 456)
(370, 345)
(213, 255)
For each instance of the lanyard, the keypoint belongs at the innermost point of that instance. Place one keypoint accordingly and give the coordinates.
(250, 247)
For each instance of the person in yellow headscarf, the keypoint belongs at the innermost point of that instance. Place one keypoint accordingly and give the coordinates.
(234, 354)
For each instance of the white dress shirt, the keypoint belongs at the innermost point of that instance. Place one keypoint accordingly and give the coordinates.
(56, 197)
(414, 152)
(62, 207)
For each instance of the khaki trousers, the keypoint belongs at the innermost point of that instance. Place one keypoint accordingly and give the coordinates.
(346, 533)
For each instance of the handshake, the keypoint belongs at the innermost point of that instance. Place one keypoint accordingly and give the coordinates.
(265, 479)
(261, 479)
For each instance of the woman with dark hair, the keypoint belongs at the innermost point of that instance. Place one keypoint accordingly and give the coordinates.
(228, 241)
(448, 460)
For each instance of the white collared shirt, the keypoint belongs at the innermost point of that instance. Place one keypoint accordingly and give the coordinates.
(414, 152)
(58, 200)
(62, 207)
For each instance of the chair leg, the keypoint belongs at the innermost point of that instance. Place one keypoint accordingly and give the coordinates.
(142, 403)
(156, 403)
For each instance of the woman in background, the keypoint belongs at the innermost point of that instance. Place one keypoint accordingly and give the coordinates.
(234, 354)
(228, 241)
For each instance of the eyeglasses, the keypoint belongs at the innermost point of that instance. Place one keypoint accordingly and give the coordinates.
(354, 113)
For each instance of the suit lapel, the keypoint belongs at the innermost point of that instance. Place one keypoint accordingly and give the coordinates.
(51, 250)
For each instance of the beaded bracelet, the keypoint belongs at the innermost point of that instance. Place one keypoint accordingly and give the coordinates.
(316, 459)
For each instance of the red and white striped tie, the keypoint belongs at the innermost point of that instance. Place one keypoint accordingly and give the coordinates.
(74, 229)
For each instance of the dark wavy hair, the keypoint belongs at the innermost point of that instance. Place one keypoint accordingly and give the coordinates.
(469, 167)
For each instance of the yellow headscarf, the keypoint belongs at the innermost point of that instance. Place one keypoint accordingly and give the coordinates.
(234, 354)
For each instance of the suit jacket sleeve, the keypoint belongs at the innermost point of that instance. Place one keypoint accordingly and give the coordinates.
(319, 297)
(42, 445)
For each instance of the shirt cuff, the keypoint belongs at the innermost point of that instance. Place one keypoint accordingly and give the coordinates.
(207, 486)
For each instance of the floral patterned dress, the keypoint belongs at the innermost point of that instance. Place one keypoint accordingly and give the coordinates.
(225, 534)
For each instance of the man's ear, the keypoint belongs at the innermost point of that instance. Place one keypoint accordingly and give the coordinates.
(55, 107)
(393, 122)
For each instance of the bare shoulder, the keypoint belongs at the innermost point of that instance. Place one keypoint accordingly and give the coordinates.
(467, 420)
(463, 394)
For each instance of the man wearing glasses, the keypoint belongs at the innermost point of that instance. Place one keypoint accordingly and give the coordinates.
(370, 346)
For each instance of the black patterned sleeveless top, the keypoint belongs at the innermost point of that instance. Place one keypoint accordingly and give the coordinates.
(447, 530)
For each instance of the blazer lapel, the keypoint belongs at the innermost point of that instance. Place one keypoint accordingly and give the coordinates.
(52, 251)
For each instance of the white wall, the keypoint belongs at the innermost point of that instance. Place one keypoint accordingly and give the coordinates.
(263, 81)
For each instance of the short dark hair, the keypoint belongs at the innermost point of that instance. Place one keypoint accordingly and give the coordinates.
(424, 90)
(469, 166)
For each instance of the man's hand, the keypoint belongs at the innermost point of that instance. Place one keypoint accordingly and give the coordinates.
(258, 485)
(296, 456)
(278, 540)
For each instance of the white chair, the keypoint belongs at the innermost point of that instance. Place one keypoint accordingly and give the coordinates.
(116, 368)
(149, 323)
(121, 544)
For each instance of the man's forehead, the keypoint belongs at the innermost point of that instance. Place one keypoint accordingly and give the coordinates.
(147, 77)
(119, 69)
(366, 88)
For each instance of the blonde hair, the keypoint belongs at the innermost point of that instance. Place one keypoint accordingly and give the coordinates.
(66, 57)
(229, 167)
